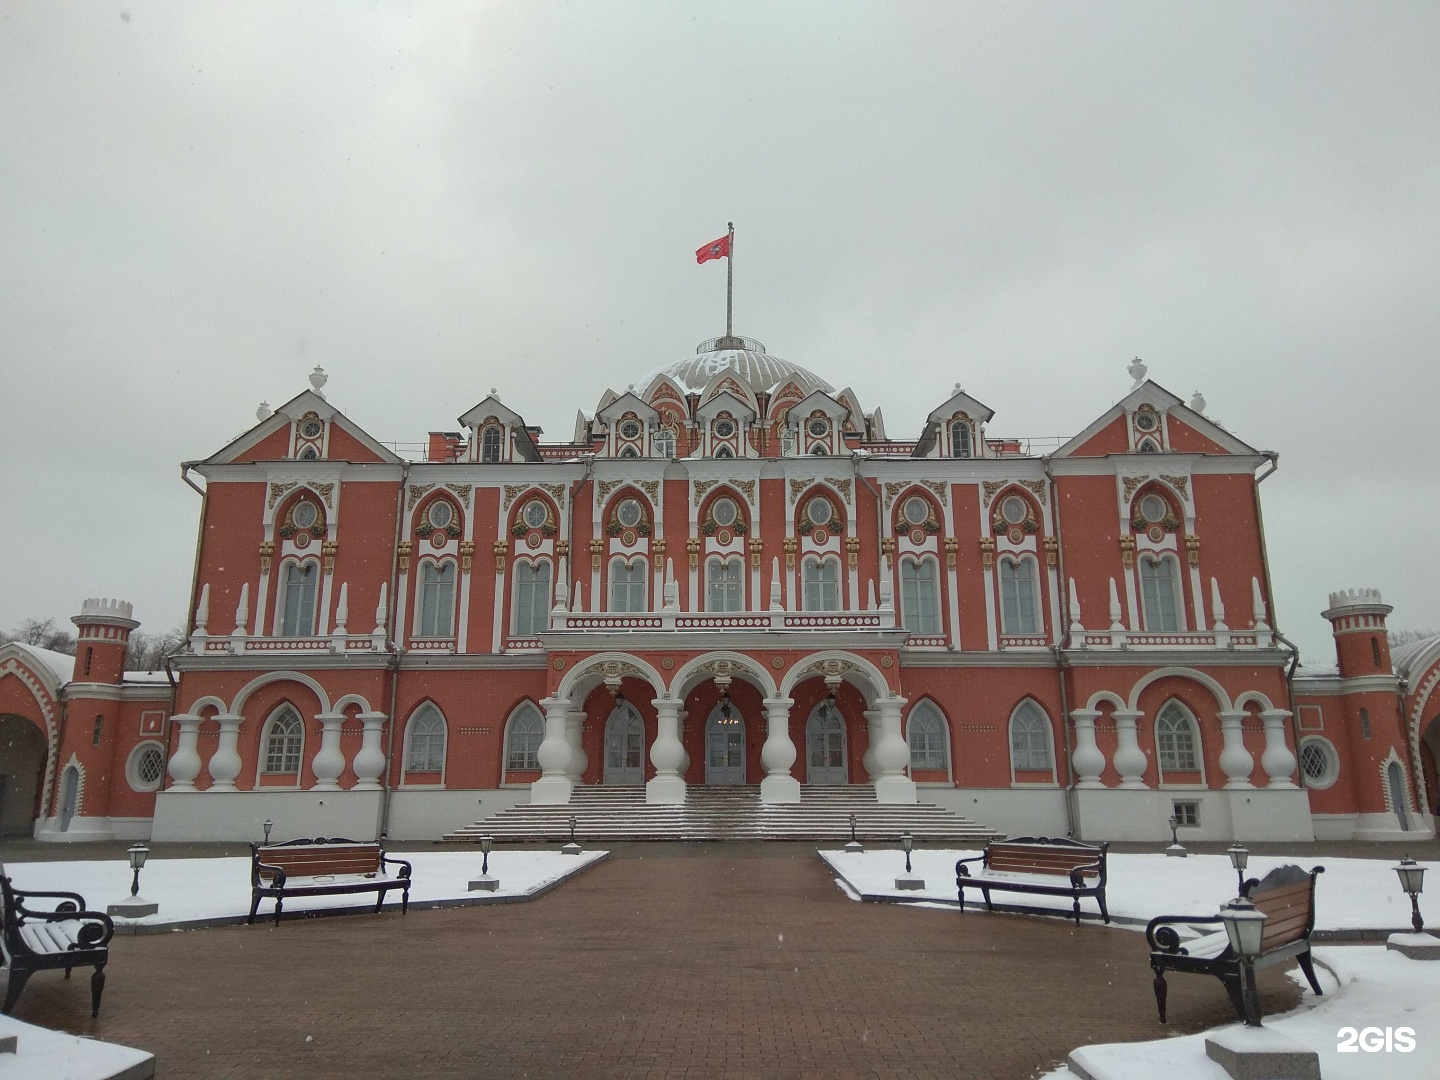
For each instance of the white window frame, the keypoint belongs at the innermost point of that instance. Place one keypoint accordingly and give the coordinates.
(132, 767)
(813, 592)
(282, 622)
(1332, 764)
(267, 732)
(928, 709)
(913, 606)
(1031, 568)
(423, 596)
(734, 582)
(1174, 707)
(499, 433)
(1029, 710)
(539, 610)
(961, 425)
(663, 442)
(524, 711)
(637, 575)
(425, 711)
(1177, 593)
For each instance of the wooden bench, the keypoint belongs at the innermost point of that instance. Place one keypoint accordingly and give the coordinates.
(322, 867)
(1286, 895)
(1031, 864)
(66, 937)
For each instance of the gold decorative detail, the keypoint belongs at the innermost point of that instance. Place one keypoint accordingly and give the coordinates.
(693, 547)
(323, 490)
(556, 491)
(276, 491)
(562, 548)
(604, 487)
(1192, 549)
(597, 549)
(893, 488)
(747, 486)
(1127, 550)
(701, 487)
(992, 488)
(511, 492)
(406, 546)
(267, 552)
(777, 662)
(462, 491)
(1131, 483)
(952, 545)
(1052, 550)
(651, 488)
(798, 486)
(657, 547)
(757, 546)
(467, 552)
(941, 490)
(842, 486)
(886, 661)
(1037, 487)
(987, 550)
(790, 544)
(667, 663)
(502, 551)
(1180, 484)
(852, 549)
(559, 664)
(327, 555)
(887, 549)
(417, 492)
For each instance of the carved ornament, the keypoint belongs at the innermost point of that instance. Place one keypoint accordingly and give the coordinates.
(278, 490)
(1180, 484)
(418, 492)
(1131, 483)
(992, 488)
(941, 490)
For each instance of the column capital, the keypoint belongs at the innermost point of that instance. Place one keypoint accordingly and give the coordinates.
(778, 703)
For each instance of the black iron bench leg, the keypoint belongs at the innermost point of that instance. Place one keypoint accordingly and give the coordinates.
(279, 903)
(1161, 990)
(961, 890)
(1075, 899)
(986, 892)
(379, 900)
(18, 977)
(97, 987)
(1307, 965)
(405, 901)
(1104, 911)
(1237, 995)
(254, 907)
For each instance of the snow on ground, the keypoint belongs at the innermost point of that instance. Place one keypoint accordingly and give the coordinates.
(197, 890)
(1352, 894)
(41, 1054)
(1377, 989)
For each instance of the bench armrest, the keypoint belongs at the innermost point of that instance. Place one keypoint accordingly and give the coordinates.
(277, 873)
(1077, 875)
(1162, 937)
(99, 928)
(404, 864)
(21, 895)
(962, 870)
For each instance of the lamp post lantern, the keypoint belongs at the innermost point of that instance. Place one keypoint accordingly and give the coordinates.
(134, 906)
(1176, 849)
(1239, 859)
(908, 880)
(573, 847)
(1412, 880)
(268, 826)
(907, 842)
(485, 882)
(1245, 927)
(854, 844)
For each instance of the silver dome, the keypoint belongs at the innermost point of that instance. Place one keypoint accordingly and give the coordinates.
(753, 364)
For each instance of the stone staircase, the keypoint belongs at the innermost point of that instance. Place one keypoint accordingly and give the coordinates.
(606, 815)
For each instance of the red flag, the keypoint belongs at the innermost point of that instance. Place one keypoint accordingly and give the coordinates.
(720, 249)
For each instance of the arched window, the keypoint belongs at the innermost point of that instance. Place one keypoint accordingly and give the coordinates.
(629, 452)
(1019, 612)
(724, 588)
(492, 441)
(627, 585)
(284, 741)
(664, 443)
(437, 599)
(1029, 739)
(1158, 587)
(820, 450)
(787, 441)
(298, 610)
(522, 741)
(920, 596)
(425, 741)
(532, 598)
(960, 439)
(927, 734)
(724, 452)
(822, 585)
(1176, 741)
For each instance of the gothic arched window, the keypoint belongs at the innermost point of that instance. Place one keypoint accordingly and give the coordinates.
(283, 743)
(927, 734)
(1176, 740)
(523, 738)
(425, 741)
(298, 608)
(1029, 738)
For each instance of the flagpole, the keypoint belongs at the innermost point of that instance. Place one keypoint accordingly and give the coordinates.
(729, 278)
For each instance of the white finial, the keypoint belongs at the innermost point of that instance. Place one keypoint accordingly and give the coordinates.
(342, 609)
(959, 389)
(318, 379)
(630, 387)
(494, 392)
(264, 412)
(887, 593)
(562, 588)
(672, 590)
(1137, 372)
(202, 610)
(1258, 598)
(1116, 614)
(381, 610)
(577, 601)
(775, 602)
(1076, 627)
(242, 611)
(1197, 402)
(1217, 605)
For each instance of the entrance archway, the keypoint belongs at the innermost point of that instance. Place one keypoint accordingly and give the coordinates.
(725, 746)
(69, 796)
(22, 768)
(624, 748)
(825, 750)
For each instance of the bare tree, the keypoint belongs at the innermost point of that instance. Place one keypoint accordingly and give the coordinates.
(43, 634)
(148, 652)
(1405, 637)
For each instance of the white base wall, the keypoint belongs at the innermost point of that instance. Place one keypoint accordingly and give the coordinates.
(1243, 814)
(1382, 827)
(240, 815)
(1015, 812)
(81, 830)
(417, 814)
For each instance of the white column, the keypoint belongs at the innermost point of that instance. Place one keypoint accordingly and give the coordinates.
(1278, 761)
(778, 754)
(892, 755)
(184, 764)
(554, 786)
(329, 762)
(1087, 758)
(369, 763)
(1130, 760)
(666, 754)
(680, 726)
(224, 764)
(1235, 760)
(872, 739)
(574, 729)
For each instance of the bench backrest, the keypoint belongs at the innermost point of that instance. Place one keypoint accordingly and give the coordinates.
(311, 858)
(1027, 855)
(1287, 896)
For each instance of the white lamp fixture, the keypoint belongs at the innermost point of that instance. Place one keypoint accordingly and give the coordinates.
(1412, 880)
(485, 882)
(135, 906)
(1245, 927)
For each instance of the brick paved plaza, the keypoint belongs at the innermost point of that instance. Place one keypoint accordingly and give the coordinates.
(695, 961)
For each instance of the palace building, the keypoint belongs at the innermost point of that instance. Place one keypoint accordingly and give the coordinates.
(730, 577)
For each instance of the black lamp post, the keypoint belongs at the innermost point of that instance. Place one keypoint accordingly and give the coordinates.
(1176, 849)
(1412, 880)
(134, 906)
(485, 883)
(1245, 927)
(138, 854)
(907, 842)
(1239, 859)
(486, 843)
(854, 844)
(268, 826)
(573, 847)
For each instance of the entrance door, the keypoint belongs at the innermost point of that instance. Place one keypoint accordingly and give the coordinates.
(624, 747)
(1396, 780)
(825, 746)
(69, 796)
(725, 747)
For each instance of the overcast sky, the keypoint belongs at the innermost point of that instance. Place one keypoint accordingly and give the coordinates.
(199, 203)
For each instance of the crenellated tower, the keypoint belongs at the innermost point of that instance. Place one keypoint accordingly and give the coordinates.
(104, 628)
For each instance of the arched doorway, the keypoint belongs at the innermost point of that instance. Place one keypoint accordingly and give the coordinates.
(624, 747)
(22, 770)
(825, 759)
(725, 745)
(69, 796)
(1395, 780)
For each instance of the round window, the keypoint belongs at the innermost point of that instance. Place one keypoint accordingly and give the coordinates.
(311, 428)
(441, 514)
(628, 513)
(1146, 420)
(724, 428)
(916, 510)
(724, 512)
(819, 510)
(1319, 763)
(1152, 508)
(305, 515)
(630, 429)
(1014, 510)
(818, 426)
(535, 514)
(146, 767)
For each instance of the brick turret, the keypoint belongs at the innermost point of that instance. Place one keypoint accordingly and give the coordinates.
(104, 634)
(1357, 618)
